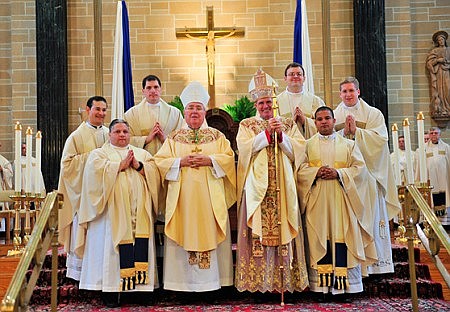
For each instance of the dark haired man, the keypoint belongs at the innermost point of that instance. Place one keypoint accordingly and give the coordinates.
(90, 135)
(296, 103)
(152, 120)
(339, 238)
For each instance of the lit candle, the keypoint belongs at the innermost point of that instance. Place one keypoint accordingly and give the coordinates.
(409, 167)
(17, 158)
(37, 169)
(397, 172)
(422, 158)
(28, 166)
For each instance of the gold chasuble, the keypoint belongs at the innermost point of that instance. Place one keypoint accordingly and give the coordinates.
(371, 137)
(76, 151)
(263, 226)
(196, 215)
(129, 200)
(339, 234)
(143, 117)
(307, 102)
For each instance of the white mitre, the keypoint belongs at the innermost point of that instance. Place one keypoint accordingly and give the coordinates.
(194, 92)
(262, 85)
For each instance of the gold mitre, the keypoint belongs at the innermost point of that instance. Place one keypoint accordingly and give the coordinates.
(194, 92)
(261, 85)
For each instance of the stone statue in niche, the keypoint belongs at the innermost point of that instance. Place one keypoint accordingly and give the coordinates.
(438, 67)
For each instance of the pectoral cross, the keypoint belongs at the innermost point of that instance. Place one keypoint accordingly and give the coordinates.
(196, 149)
(196, 139)
(210, 34)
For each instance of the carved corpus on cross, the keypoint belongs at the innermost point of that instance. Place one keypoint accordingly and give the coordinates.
(210, 34)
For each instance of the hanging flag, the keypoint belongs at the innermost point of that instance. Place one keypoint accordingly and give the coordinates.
(302, 51)
(122, 85)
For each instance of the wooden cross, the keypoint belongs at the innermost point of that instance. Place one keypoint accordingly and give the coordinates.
(210, 34)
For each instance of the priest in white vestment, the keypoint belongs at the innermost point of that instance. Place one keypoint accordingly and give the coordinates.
(270, 253)
(117, 210)
(197, 165)
(338, 240)
(357, 120)
(152, 120)
(438, 166)
(6, 183)
(402, 160)
(296, 103)
(6, 174)
(23, 161)
(89, 135)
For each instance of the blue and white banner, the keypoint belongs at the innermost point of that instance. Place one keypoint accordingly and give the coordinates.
(122, 84)
(302, 51)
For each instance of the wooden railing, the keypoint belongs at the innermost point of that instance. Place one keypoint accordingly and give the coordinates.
(44, 235)
(434, 236)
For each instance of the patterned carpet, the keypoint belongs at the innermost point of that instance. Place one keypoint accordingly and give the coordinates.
(387, 292)
(246, 302)
(368, 305)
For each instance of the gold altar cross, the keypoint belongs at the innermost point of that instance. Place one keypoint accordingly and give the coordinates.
(210, 34)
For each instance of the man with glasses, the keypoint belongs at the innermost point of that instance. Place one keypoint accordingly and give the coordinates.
(296, 103)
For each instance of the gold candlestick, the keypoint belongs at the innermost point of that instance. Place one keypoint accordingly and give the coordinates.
(17, 240)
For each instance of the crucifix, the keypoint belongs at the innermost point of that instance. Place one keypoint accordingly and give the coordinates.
(210, 34)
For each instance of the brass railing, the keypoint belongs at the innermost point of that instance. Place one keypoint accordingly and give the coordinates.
(44, 235)
(414, 204)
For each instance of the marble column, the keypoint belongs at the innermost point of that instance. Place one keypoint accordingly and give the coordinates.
(370, 52)
(52, 84)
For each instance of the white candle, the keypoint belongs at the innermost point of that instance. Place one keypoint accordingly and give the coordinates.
(17, 158)
(28, 166)
(409, 167)
(37, 168)
(422, 156)
(397, 172)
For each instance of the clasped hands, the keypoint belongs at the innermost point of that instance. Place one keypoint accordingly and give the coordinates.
(155, 132)
(129, 162)
(350, 125)
(299, 116)
(275, 125)
(327, 173)
(195, 161)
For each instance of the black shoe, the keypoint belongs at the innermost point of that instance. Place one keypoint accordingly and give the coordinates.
(320, 297)
(342, 298)
(145, 298)
(111, 299)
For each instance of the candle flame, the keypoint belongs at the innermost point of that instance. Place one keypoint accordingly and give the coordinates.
(38, 135)
(420, 116)
(18, 126)
(405, 122)
(394, 127)
(29, 131)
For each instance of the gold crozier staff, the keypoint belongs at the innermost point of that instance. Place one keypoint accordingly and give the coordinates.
(277, 179)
